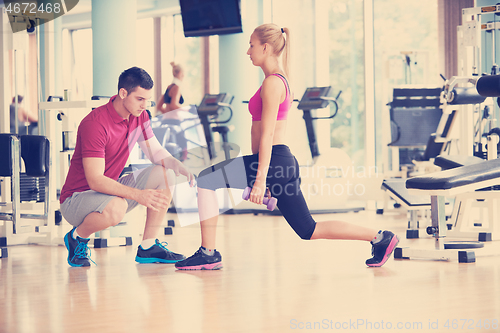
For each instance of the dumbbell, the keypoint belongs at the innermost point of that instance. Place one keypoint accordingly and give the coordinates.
(270, 202)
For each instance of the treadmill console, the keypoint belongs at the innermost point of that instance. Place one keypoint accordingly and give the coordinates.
(211, 104)
(315, 98)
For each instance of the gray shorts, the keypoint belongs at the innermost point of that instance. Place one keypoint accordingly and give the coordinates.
(75, 208)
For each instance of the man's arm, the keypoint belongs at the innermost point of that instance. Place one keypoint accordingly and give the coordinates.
(94, 173)
(155, 152)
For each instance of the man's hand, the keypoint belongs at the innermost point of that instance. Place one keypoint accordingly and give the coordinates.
(179, 169)
(159, 155)
(154, 199)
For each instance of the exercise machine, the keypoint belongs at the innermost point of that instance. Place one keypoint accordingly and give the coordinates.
(28, 190)
(328, 181)
(313, 99)
(463, 182)
(210, 109)
(29, 208)
(474, 186)
(178, 134)
(410, 106)
(211, 115)
(438, 143)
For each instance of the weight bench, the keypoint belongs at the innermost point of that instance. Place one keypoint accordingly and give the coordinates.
(33, 186)
(412, 203)
(396, 187)
(470, 184)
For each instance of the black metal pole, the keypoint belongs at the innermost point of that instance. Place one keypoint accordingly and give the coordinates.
(311, 134)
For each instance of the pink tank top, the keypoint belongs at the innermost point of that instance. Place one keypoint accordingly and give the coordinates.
(255, 103)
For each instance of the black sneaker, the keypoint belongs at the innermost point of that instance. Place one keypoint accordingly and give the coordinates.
(157, 253)
(200, 260)
(383, 249)
(78, 251)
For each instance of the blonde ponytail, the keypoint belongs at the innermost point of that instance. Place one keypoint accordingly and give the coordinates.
(286, 52)
(176, 69)
(279, 39)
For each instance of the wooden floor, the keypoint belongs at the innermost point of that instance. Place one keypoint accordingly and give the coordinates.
(271, 282)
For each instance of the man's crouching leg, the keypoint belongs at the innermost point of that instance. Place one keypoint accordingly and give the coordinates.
(151, 250)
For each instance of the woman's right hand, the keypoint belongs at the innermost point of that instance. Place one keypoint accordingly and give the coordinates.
(258, 191)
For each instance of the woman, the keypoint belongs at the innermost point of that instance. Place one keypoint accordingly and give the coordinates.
(172, 112)
(172, 99)
(272, 168)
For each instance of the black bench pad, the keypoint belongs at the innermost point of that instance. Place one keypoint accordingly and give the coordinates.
(35, 152)
(454, 161)
(465, 175)
(398, 188)
(5, 154)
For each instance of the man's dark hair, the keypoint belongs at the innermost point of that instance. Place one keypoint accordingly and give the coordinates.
(134, 77)
(19, 99)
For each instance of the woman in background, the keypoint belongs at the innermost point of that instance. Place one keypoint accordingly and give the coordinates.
(172, 98)
(25, 120)
(172, 111)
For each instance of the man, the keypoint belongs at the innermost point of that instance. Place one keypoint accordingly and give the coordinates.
(94, 198)
(24, 118)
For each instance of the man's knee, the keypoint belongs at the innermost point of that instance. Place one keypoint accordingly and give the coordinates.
(161, 178)
(115, 210)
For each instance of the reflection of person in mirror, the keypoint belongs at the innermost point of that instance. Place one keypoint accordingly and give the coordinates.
(170, 103)
(24, 118)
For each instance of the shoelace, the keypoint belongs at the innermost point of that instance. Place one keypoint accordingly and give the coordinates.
(163, 246)
(83, 251)
(373, 248)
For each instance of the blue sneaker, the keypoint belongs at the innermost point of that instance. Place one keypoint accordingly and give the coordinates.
(200, 260)
(382, 250)
(78, 251)
(157, 253)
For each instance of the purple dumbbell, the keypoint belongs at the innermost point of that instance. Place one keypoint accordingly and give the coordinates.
(270, 202)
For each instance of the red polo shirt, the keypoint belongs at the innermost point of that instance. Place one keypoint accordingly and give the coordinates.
(104, 134)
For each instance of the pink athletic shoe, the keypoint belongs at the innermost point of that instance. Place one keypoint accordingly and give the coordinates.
(200, 260)
(382, 250)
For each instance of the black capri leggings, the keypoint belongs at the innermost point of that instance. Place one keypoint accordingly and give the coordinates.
(283, 181)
